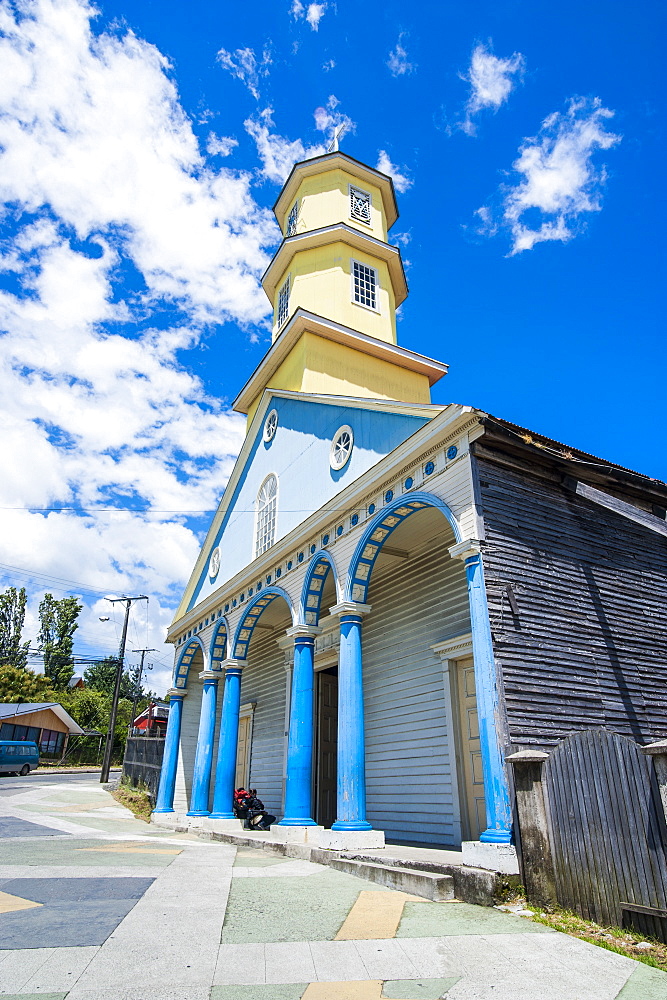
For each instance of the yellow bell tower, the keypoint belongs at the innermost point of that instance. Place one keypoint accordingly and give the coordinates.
(334, 284)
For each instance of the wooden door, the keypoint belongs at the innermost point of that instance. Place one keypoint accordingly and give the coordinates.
(473, 818)
(327, 745)
(243, 753)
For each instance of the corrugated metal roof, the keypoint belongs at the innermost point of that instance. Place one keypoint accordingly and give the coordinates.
(575, 454)
(23, 707)
(12, 710)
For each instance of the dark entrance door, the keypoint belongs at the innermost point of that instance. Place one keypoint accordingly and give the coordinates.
(327, 745)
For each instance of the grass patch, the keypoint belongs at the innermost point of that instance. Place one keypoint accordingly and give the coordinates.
(137, 800)
(623, 942)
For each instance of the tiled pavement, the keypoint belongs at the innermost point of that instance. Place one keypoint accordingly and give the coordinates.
(95, 905)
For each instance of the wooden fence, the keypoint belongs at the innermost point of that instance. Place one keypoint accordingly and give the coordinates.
(143, 761)
(604, 850)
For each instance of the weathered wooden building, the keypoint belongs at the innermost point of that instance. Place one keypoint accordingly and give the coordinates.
(393, 595)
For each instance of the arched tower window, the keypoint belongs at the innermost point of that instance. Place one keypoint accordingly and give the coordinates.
(266, 515)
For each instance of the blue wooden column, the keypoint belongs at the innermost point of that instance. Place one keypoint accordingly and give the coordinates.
(165, 795)
(201, 777)
(351, 804)
(299, 785)
(225, 772)
(496, 789)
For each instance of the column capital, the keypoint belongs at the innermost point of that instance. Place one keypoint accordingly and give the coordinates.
(210, 675)
(527, 757)
(231, 663)
(303, 631)
(176, 693)
(350, 608)
(466, 549)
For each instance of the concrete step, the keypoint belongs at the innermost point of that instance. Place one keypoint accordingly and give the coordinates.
(430, 885)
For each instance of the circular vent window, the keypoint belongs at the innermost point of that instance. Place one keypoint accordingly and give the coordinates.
(214, 565)
(341, 447)
(271, 425)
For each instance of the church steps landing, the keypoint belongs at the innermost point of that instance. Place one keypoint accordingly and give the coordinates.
(470, 885)
(431, 885)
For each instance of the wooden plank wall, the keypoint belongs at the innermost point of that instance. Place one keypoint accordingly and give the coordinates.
(607, 829)
(587, 645)
(410, 768)
(264, 682)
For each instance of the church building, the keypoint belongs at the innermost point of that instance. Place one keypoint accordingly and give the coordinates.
(394, 595)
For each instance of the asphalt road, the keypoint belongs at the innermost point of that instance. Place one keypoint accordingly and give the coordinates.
(10, 785)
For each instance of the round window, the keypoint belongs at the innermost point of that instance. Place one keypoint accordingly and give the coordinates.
(214, 565)
(341, 447)
(271, 425)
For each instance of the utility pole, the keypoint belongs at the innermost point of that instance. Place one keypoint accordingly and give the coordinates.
(138, 687)
(108, 748)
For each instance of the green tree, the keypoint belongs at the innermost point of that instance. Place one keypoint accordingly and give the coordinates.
(21, 684)
(101, 676)
(58, 623)
(12, 616)
(87, 707)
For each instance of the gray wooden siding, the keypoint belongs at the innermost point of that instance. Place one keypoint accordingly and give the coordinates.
(264, 682)
(588, 646)
(409, 774)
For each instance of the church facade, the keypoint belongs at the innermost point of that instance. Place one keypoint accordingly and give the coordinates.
(395, 595)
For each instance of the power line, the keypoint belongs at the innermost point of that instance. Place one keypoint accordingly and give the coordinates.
(52, 581)
(96, 510)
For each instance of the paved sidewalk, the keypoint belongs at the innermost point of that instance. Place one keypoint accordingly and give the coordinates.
(95, 905)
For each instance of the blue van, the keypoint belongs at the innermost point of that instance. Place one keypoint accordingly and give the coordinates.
(17, 757)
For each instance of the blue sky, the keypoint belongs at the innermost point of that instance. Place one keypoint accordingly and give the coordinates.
(142, 148)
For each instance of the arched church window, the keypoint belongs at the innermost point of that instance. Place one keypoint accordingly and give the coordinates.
(341, 447)
(267, 499)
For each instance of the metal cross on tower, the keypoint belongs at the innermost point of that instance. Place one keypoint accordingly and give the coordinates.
(338, 134)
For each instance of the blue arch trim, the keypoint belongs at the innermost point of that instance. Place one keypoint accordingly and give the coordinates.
(313, 587)
(218, 648)
(185, 659)
(379, 530)
(254, 611)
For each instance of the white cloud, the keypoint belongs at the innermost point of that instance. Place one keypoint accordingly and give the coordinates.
(329, 119)
(278, 154)
(401, 181)
(398, 59)
(103, 174)
(492, 80)
(220, 145)
(245, 66)
(312, 12)
(329, 65)
(559, 181)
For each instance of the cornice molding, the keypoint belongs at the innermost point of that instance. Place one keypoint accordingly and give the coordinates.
(339, 232)
(303, 321)
(454, 647)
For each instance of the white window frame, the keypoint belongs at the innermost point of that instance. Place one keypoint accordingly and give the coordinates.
(292, 219)
(352, 190)
(334, 460)
(270, 426)
(282, 315)
(374, 270)
(262, 545)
